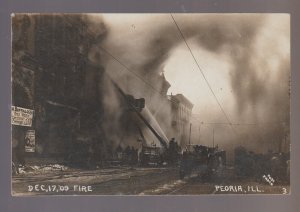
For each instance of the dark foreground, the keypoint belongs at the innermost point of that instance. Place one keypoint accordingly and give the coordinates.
(138, 181)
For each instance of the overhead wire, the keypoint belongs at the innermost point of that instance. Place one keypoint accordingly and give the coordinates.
(203, 75)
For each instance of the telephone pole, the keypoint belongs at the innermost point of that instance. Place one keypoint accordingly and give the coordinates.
(213, 137)
(190, 134)
(199, 133)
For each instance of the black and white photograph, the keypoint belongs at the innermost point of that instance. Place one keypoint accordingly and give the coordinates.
(150, 104)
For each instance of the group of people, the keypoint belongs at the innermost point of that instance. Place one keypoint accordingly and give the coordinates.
(129, 155)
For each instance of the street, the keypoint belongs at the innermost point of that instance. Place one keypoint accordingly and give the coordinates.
(136, 181)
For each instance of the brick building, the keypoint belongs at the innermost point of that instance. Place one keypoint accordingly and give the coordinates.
(52, 74)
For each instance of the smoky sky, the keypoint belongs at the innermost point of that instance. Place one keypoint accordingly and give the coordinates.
(252, 43)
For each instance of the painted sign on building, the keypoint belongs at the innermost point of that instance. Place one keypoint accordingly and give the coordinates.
(30, 141)
(21, 116)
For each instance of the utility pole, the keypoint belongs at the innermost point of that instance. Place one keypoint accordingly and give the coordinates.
(190, 134)
(199, 133)
(213, 137)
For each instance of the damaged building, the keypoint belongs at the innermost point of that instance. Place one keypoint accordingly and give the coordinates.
(57, 78)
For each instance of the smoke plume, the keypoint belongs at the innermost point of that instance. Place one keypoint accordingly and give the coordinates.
(259, 76)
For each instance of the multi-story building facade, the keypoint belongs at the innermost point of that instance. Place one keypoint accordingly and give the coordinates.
(52, 74)
(181, 113)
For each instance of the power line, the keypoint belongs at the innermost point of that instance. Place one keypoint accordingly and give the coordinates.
(238, 123)
(241, 124)
(204, 77)
(262, 123)
(225, 123)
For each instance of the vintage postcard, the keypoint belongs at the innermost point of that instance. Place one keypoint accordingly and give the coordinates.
(150, 104)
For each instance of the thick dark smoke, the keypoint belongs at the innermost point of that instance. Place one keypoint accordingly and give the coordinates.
(260, 88)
